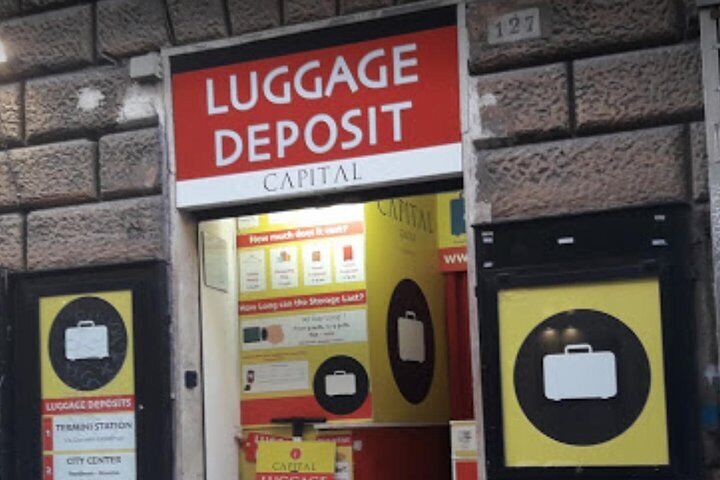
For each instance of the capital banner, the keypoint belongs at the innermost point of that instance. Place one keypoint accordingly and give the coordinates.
(88, 386)
(367, 104)
(296, 460)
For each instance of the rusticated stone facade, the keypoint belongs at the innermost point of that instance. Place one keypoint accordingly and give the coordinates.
(604, 111)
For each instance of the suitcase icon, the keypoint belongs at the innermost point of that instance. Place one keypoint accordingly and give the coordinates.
(411, 338)
(340, 384)
(580, 374)
(86, 341)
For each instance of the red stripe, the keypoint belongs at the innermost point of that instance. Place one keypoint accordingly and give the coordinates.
(301, 233)
(70, 406)
(48, 473)
(468, 410)
(453, 259)
(454, 359)
(459, 353)
(262, 411)
(47, 433)
(303, 302)
(466, 470)
(341, 440)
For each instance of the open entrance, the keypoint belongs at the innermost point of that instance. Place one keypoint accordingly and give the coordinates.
(347, 324)
(329, 319)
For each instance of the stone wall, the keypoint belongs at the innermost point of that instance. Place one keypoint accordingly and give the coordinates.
(80, 151)
(603, 111)
(80, 143)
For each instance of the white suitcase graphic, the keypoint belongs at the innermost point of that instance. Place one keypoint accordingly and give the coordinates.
(86, 341)
(580, 373)
(411, 338)
(340, 384)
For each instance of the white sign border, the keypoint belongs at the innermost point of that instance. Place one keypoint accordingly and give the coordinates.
(437, 162)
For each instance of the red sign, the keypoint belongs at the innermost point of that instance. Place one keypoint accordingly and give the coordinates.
(346, 115)
(303, 302)
(86, 405)
(296, 461)
(453, 259)
(294, 476)
(301, 233)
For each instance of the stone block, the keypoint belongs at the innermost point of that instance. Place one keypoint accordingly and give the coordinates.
(47, 42)
(92, 100)
(572, 27)
(584, 174)
(352, 6)
(715, 227)
(10, 114)
(130, 27)
(252, 15)
(130, 163)
(43, 4)
(54, 174)
(531, 102)
(196, 20)
(8, 8)
(97, 233)
(8, 185)
(640, 87)
(698, 150)
(300, 11)
(11, 242)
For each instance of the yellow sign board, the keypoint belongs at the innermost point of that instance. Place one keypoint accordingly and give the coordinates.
(341, 316)
(88, 385)
(582, 375)
(296, 461)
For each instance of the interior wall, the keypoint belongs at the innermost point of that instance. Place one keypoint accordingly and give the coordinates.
(220, 347)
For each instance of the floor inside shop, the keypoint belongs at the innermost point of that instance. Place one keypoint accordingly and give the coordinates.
(351, 319)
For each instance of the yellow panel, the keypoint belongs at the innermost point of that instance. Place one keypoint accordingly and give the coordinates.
(299, 233)
(296, 457)
(52, 387)
(637, 304)
(252, 438)
(402, 244)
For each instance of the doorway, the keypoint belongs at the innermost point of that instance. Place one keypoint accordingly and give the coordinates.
(351, 317)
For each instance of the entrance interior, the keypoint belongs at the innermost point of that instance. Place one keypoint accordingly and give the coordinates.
(351, 318)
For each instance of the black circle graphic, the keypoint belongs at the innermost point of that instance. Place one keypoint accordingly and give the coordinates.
(414, 373)
(341, 385)
(88, 373)
(593, 419)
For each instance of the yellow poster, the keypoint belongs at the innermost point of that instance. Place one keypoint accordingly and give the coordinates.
(582, 375)
(343, 439)
(87, 385)
(304, 460)
(303, 315)
(341, 314)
